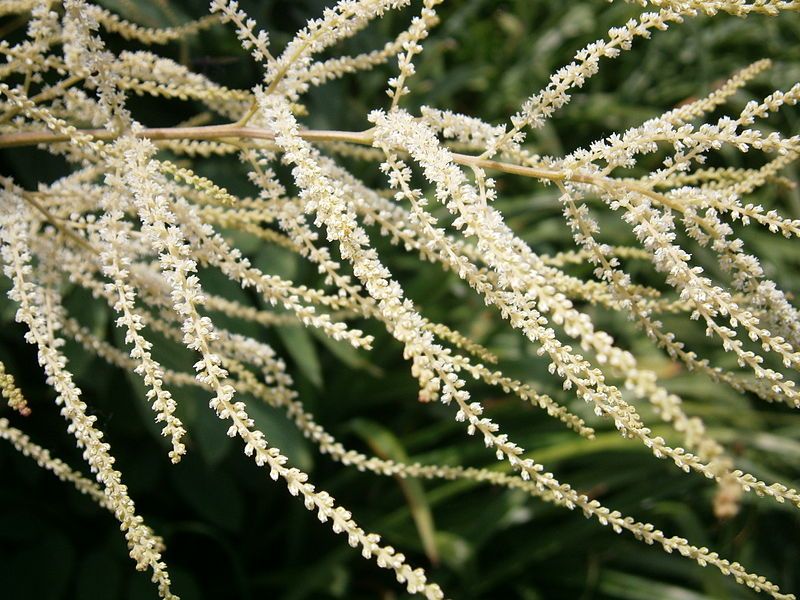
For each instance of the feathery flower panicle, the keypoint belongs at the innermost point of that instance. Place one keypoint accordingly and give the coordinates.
(141, 227)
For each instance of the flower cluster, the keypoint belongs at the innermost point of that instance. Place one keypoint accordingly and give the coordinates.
(135, 226)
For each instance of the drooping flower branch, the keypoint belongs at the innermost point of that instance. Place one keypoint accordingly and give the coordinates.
(134, 226)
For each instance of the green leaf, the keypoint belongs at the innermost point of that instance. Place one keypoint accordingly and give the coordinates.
(631, 587)
(93, 315)
(347, 354)
(204, 427)
(276, 261)
(386, 445)
(139, 391)
(213, 495)
(282, 433)
(301, 348)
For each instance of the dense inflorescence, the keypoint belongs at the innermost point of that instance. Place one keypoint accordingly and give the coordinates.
(134, 225)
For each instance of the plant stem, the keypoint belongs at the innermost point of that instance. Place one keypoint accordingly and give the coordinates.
(234, 131)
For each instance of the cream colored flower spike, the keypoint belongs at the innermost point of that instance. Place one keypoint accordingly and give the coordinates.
(136, 225)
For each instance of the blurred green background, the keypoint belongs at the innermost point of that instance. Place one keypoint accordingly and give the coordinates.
(233, 533)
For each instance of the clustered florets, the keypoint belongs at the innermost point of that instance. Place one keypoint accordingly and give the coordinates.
(159, 223)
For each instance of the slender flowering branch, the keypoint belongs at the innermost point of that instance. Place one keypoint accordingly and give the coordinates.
(139, 225)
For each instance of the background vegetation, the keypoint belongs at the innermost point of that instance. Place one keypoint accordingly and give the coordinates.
(231, 533)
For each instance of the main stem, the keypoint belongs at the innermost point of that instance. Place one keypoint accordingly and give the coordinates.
(208, 132)
(235, 132)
